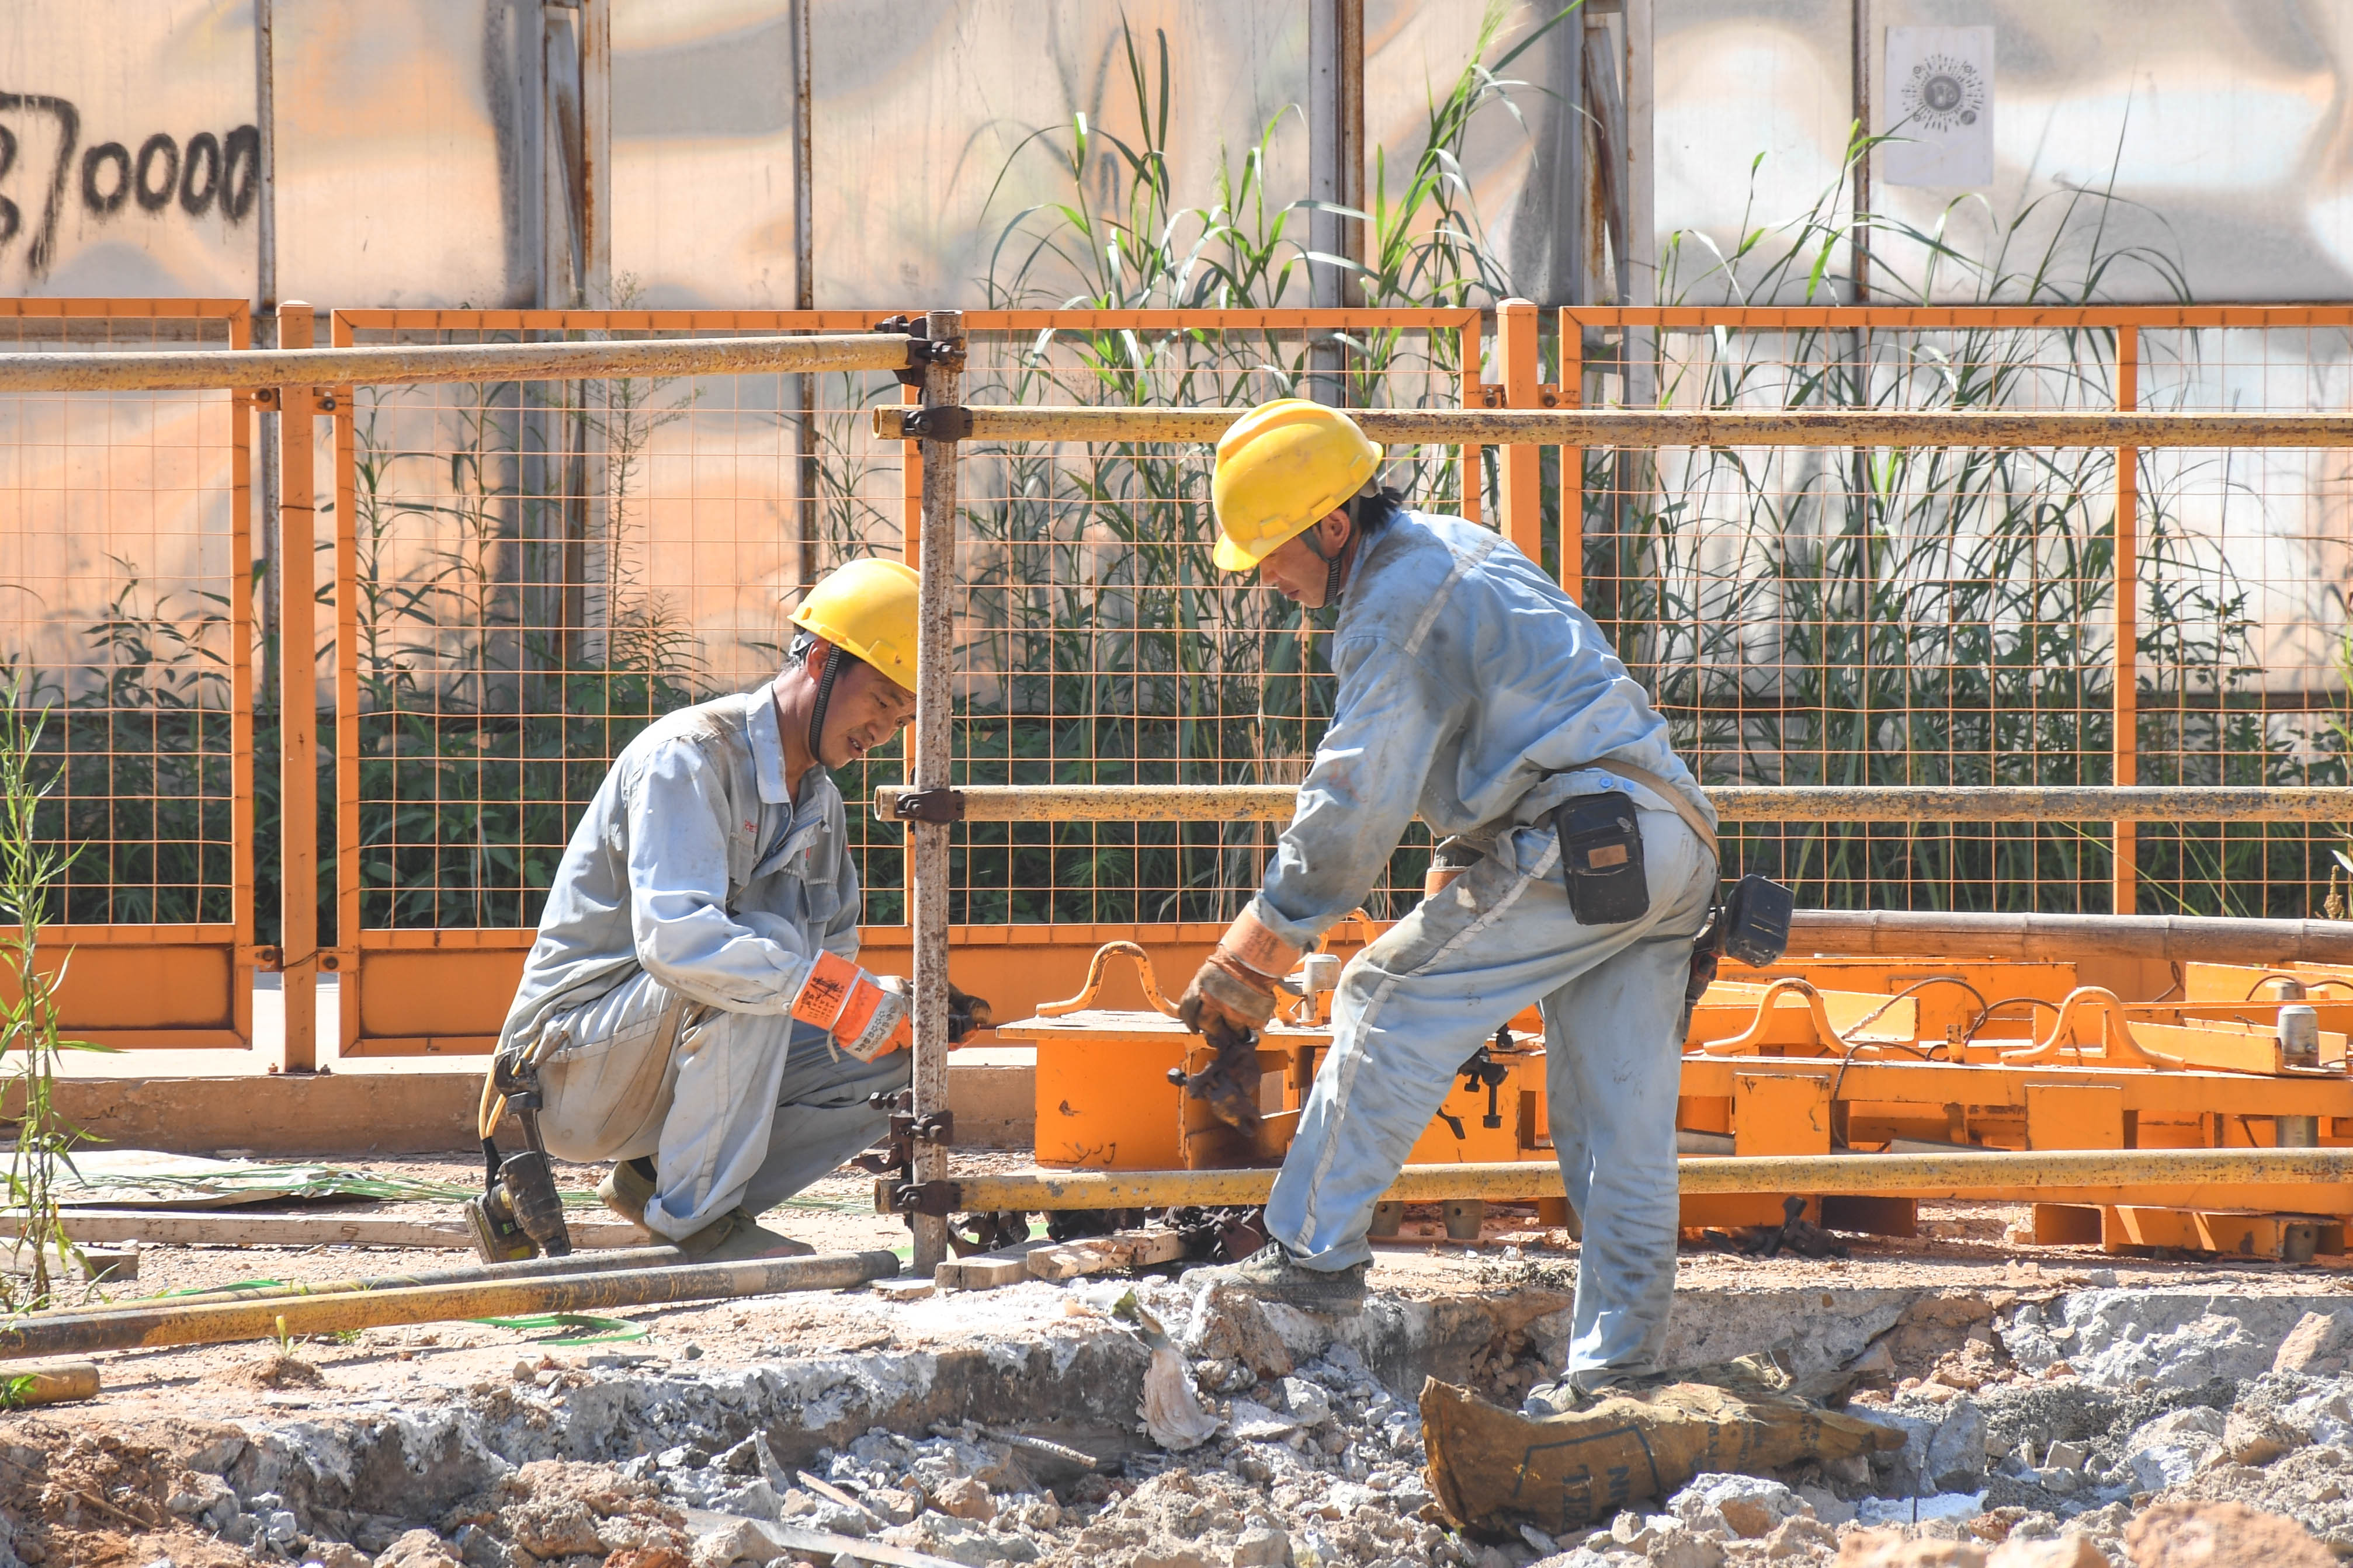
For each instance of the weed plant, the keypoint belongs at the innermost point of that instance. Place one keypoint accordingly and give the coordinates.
(32, 869)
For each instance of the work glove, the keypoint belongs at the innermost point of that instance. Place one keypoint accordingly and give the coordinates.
(865, 1013)
(967, 1013)
(1233, 991)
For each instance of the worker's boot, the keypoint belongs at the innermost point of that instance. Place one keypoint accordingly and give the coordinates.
(1273, 1274)
(627, 1188)
(737, 1237)
(1562, 1397)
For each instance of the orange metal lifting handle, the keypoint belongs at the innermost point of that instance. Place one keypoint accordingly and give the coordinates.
(1104, 956)
(2117, 1043)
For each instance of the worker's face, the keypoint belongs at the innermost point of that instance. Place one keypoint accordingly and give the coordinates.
(867, 708)
(1295, 570)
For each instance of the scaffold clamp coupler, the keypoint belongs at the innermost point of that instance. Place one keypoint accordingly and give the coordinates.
(938, 806)
(934, 1127)
(938, 422)
(927, 1197)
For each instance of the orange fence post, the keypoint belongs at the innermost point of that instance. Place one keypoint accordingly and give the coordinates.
(1520, 502)
(344, 960)
(2126, 895)
(298, 706)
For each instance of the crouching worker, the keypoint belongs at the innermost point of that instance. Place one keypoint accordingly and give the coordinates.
(1578, 865)
(694, 1003)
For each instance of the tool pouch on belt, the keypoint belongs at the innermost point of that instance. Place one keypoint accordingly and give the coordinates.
(1601, 856)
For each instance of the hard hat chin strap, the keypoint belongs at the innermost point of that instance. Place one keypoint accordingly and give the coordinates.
(1334, 564)
(833, 658)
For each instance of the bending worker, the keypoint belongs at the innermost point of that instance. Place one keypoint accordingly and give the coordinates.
(693, 1003)
(1578, 865)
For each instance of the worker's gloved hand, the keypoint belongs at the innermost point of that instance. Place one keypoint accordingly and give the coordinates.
(1226, 997)
(865, 1013)
(967, 1013)
(1235, 989)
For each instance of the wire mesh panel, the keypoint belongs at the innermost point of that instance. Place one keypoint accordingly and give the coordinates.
(1096, 641)
(1950, 615)
(125, 576)
(528, 573)
(2241, 651)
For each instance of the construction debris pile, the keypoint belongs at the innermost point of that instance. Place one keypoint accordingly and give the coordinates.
(2035, 1425)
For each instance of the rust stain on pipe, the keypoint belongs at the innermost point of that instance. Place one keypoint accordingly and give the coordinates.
(1733, 802)
(196, 370)
(1680, 427)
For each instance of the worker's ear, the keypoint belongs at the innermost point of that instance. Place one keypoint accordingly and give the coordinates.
(812, 665)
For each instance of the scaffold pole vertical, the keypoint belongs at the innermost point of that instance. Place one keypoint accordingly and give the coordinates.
(2125, 895)
(298, 706)
(933, 738)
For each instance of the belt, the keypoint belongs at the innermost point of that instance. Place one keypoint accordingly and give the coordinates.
(1668, 793)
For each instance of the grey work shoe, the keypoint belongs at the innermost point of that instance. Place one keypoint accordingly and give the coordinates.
(627, 1188)
(1562, 1397)
(736, 1236)
(1273, 1274)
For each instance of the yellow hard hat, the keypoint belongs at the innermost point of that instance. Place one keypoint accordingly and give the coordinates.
(1281, 468)
(868, 610)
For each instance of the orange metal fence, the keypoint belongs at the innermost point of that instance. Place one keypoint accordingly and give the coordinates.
(514, 578)
(126, 610)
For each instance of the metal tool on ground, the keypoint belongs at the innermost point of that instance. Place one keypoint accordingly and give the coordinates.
(54, 1383)
(519, 1214)
(224, 1322)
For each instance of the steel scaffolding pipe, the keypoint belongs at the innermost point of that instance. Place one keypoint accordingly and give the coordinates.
(2066, 939)
(199, 369)
(1733, 803)
(220, 1322)
(1647, 427)
(1960, 1176)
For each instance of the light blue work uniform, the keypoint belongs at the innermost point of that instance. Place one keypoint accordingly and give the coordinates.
(689, 906)
(1474, 693)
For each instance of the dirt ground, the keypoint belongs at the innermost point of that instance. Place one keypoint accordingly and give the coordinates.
(1961, 1248)
(121, 1479)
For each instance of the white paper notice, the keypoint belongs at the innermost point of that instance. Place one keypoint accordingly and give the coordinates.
(1939, 107)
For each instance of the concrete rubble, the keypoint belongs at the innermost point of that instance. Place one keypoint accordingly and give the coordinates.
(2044, 1426)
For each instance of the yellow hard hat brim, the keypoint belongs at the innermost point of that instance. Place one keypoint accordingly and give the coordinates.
(1232, 557)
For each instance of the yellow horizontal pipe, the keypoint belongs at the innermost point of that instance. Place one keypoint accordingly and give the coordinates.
(1878, 1175)
(1733, 803)
(189, 370)
(1679, 427)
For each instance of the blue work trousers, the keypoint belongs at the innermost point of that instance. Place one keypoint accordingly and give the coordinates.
(1413, 1005)
(735, 1108)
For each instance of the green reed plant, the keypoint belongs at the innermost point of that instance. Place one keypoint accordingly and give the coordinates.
(32, 875)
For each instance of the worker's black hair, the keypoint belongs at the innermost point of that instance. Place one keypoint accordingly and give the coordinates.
(803, 638)
(1370, 510)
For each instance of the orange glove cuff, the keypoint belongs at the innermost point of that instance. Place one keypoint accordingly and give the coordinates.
(857, 1011)
(832, 982)
(1257, 949)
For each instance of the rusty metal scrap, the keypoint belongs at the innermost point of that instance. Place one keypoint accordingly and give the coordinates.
(1679, 427)
(197, 369)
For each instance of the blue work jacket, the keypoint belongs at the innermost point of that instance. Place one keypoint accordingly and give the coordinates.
(1472, 693)
(693, 865)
